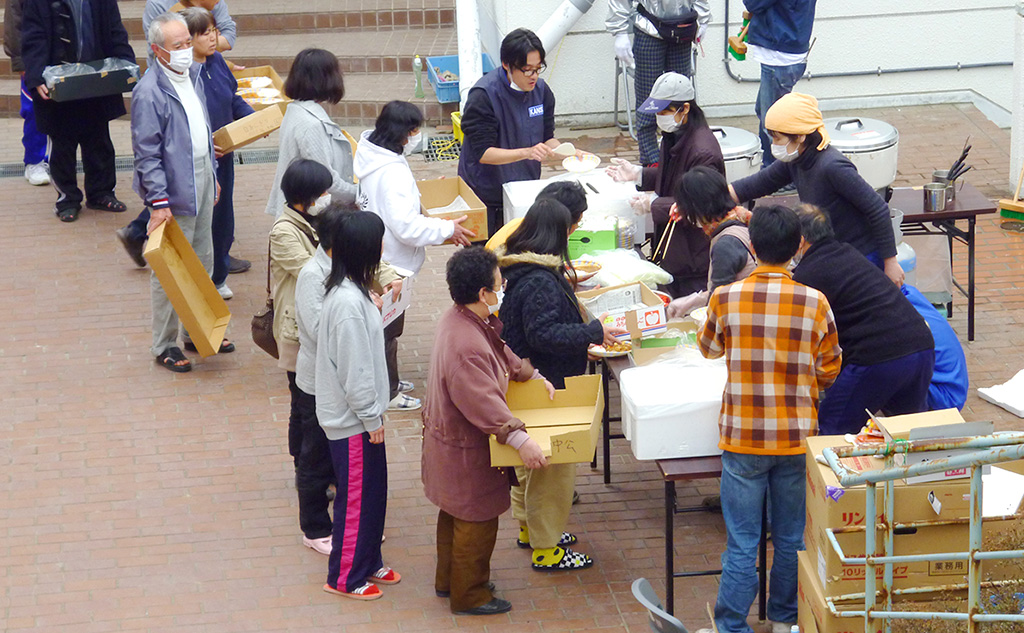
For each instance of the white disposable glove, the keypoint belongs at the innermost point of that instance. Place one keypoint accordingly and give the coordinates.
(684, 305)
(621, 170)
(641, 203)
(624, 50)
(701, 30)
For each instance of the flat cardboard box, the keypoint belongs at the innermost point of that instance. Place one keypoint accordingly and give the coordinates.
(647, 350)
(566, 428)
(638, 323)
(194, 297)
(264, 71)
(248, 129)
(441, 192)
(100, 84)
(946, 423)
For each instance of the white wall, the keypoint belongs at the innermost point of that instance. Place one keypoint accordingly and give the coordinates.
(850, 36)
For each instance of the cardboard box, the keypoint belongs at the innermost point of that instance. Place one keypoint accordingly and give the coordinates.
(831, 506)
(441, 192)
(96, 84)
(393, 307)
(248, 129)
(566, 428)
(647, 350)
(638, 323)
(813, 614)
(946, 423)
(194, 297)
(672, 410)
(275, 80)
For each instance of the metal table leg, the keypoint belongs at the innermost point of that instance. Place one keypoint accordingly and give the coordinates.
(970, 278)
(670, 567)
(606, 423)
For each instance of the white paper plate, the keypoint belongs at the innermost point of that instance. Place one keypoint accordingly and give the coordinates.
(700, 315)
(599, 350)
(581, 166)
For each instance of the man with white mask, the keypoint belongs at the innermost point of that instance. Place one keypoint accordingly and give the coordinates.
(174, 173)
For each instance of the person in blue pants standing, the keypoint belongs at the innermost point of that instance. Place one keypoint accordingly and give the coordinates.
(37, 147)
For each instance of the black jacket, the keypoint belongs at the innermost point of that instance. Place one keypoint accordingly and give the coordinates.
(48, 38)
(688, 254)
(542, 319)
(876, 323)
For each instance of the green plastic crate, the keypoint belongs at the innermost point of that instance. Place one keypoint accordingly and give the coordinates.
(589, 242)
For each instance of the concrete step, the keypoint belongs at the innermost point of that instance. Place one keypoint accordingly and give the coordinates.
(358, 51)
(365, 95)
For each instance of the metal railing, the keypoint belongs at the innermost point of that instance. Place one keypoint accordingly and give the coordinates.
(988, 449)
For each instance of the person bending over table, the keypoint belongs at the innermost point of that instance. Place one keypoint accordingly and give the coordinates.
(508, 123)
(686, 142)
(543, 323)
(470, 367)
(824, 178)
(888, 351)
(703, 200)
(776, 369)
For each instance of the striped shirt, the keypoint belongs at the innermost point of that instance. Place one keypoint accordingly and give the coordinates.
(781, 348)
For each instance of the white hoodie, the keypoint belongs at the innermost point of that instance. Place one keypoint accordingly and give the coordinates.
(389, 190)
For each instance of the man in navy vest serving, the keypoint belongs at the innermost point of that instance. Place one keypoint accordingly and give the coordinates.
(508, 122)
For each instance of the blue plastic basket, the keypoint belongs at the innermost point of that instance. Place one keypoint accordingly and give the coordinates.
(448, 91)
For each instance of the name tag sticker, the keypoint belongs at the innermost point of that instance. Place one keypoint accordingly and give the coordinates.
(537, 110)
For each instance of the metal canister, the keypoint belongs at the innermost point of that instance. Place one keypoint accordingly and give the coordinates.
(942, 176)
(935, 196)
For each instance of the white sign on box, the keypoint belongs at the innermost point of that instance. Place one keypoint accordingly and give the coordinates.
(393, 307)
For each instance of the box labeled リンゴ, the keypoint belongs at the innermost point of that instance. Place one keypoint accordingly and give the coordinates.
(195, 299)
(439, 193)
(632, 307)
(566, 428)
(249, 129)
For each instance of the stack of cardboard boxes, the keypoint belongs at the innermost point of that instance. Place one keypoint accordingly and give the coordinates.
(822, 575)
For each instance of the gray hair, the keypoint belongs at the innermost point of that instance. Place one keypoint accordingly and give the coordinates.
(155, 35)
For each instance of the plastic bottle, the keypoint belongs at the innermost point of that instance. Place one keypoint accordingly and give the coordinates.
(417, 67)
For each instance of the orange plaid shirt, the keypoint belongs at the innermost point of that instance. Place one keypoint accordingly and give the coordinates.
(781, 348)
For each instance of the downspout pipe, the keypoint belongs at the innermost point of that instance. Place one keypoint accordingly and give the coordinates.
(559, 23)
(467, 30)
(848, 73)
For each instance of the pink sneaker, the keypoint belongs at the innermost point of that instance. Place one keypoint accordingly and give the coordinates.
(321, 545)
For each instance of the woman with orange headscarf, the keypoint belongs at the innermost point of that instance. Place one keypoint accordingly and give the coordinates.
(824, 178)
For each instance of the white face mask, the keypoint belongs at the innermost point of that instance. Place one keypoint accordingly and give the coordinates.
(782, 153)
(412, 143)
(493, 309)
(667, 122)
(319, 205)
(180, 61)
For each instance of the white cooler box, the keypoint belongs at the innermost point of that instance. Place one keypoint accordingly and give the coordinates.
(671, 410)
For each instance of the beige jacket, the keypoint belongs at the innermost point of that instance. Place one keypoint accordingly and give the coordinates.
(291, 246)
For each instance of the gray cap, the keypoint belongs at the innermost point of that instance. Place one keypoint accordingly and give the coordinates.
(668, 88)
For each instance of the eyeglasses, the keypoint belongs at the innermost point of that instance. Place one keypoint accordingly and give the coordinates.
(533, 72)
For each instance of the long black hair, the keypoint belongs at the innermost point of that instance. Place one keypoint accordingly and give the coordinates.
(544, 230)
(355, 252)
(396, 121)
(702, 196)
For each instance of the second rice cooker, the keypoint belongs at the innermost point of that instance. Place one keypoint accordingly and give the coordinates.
(741, 151)
(871, 145)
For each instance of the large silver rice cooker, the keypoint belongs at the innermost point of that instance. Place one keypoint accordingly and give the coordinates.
(741, 150)
(871, 145)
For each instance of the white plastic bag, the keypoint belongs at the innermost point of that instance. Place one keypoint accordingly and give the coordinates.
(625, 266)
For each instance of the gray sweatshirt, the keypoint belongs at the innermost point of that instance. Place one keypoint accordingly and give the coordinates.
(309, 301)
(352, 389)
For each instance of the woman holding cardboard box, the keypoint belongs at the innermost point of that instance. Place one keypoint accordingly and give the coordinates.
(543, 323)
(470, 369)
(390, 191)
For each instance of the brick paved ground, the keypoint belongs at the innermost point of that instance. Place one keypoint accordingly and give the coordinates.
(135, 499)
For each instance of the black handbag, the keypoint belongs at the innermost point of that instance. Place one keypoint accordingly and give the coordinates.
(681, 29)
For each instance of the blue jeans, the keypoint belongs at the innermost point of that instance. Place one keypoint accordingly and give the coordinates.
(775, 82)
(745, 480)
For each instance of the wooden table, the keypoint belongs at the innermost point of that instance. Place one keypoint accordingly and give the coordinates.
(968, 205)
(688, 469)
